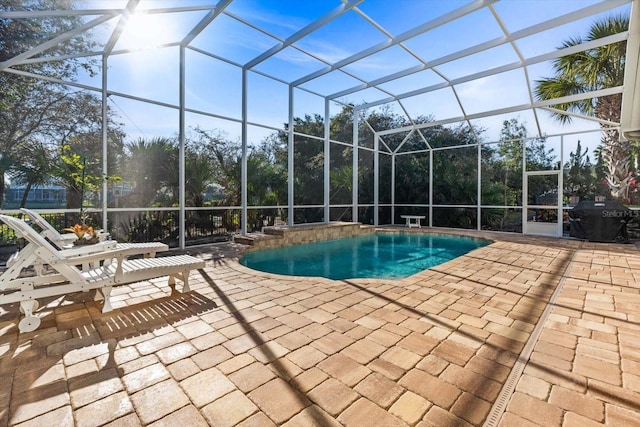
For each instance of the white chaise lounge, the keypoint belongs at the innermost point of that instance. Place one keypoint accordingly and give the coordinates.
(64, 276)
(148, 249)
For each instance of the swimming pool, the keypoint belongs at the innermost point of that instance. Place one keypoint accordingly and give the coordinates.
(379, 255)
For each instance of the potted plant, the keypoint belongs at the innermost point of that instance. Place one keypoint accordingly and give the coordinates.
(85, 234)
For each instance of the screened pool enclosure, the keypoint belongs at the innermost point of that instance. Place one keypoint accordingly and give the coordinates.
(224, 117)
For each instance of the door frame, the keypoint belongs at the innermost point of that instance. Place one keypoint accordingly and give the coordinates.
(541, 229)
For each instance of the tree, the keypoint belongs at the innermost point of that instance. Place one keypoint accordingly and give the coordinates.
(199, 175)
(74, 176)
(77, 130)
(34, 171)
(152, 167)
(502, 169)
(510, 151)
(226, 158)
(593, 69)
(580, 180)
(29, 107)
(308, 160)
(513, 136)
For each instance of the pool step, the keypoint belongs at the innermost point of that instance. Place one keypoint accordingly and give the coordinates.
(251, 238)
(243, 240)
(274, 231)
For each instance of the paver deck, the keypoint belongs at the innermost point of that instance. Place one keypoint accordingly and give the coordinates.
(253, 349)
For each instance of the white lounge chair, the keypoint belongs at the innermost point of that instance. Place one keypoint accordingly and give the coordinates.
(148, 249)
(65, 277)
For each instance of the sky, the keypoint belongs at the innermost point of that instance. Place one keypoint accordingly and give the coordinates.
(214, 86)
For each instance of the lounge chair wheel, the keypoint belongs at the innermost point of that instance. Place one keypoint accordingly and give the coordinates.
(36, 304)
(29, 324)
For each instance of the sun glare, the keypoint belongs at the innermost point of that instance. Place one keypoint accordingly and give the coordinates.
(144, 31)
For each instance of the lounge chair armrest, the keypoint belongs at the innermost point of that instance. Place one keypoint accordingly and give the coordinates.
(94, 256)
(72, 251)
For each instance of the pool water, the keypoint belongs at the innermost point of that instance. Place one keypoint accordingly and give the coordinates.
(379, 255)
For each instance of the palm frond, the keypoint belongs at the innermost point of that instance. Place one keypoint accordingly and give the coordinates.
(608, 26)
(586, 71)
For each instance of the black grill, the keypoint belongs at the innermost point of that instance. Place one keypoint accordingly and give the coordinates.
(600, 221)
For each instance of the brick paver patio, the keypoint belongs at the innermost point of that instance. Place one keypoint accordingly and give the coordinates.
(252, 349)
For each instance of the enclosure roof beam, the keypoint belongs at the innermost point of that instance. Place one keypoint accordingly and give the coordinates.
(404, 140)
(522, 107)
(50, 79)
(581, 116)
(214, 56)
(379, 81)
(439, 61)
(120, 26)
(29, 14)
(42, 59)
(434, 23)
(335, 13)
(123, 51)
(498, 41)
(200, 26)
(509, 67)
(585, 12)
(293, 46)
(54, 42)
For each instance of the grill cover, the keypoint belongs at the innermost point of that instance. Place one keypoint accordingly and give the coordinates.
(599, 221)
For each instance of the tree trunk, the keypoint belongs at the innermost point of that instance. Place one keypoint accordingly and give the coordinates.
(73, 198)
(25, 195)
(616, 153)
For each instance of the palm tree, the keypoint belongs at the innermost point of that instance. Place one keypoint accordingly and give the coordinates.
(34, 170)
(199, 175)
(152, 165)
(593, 69)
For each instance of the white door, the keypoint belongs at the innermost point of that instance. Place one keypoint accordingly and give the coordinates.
(542, 211)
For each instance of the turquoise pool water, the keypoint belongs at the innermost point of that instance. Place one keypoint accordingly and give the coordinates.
(380, 255)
